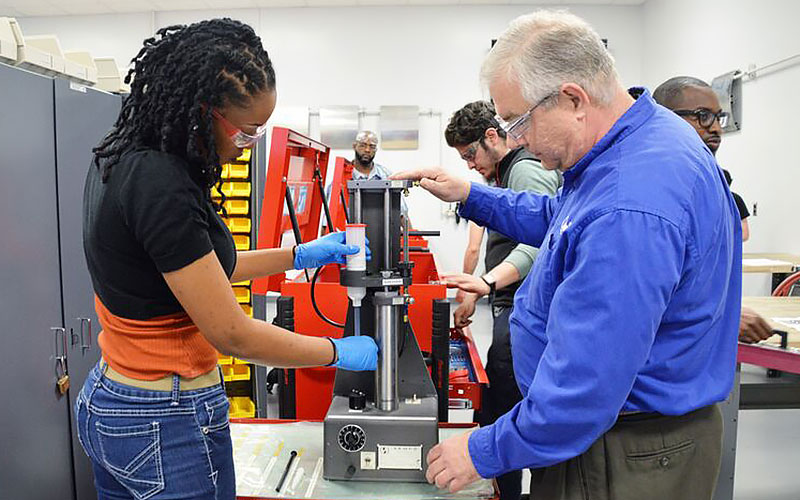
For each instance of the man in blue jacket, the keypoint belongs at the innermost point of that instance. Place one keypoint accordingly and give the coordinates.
(624, 332)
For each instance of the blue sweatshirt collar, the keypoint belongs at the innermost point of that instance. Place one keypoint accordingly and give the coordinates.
(641, 110)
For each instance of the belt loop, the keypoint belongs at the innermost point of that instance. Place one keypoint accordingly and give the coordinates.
(176, 389)
(102, 366)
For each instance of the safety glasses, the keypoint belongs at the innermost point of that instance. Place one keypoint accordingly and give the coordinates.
(239, 138)
(516, 128)
(470, 152)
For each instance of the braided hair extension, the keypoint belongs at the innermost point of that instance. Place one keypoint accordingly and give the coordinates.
(177, 79)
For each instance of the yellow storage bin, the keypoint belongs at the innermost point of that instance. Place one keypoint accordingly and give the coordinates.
(226, 171)
(238, 224)
(242, 242)
(232, 373)
(237, 171)
(242, 407)
(225, 360)
(242, 283)
(245, 155)
(248, 310)
(236, 189)
(237, 207)
(237, 361)
(242, 294)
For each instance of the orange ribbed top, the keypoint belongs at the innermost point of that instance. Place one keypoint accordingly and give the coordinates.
(154, 348)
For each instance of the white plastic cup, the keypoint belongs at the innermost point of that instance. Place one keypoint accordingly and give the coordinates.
(356, 234)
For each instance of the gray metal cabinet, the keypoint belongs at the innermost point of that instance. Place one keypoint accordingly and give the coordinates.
(36, 457)
(82, 116)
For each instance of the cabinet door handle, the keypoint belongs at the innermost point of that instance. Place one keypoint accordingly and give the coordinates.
(60, 359)
(86, 344)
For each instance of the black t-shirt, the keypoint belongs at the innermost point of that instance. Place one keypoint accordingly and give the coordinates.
(149, 218)
(741, 205)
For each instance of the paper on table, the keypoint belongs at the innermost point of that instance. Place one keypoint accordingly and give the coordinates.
(765, 263)
(790, 322)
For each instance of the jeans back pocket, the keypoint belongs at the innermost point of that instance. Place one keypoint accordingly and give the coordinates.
(132, 454)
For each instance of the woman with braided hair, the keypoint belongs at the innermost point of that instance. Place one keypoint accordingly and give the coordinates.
(153, 414)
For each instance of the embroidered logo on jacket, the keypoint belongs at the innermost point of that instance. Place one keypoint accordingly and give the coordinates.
(565, 225)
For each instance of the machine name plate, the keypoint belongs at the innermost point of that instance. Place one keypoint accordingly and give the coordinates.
(392, 282)
(400, 457)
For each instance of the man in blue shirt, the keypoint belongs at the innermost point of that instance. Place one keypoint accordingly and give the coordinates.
(624, 332)
(481, 143)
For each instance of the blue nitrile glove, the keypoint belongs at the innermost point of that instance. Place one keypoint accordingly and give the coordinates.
(356, 353)
(326, 250)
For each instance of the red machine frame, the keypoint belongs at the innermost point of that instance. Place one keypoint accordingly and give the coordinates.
(342, 172)
(292, 161)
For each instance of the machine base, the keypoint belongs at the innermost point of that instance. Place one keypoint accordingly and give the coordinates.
(372, 445)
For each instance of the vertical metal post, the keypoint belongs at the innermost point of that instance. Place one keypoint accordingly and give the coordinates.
(730, 421)
(356, 217)
(386, 376)
(387, 212)
(406, 257)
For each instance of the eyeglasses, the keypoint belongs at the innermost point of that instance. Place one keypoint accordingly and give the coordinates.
(705, 117)
(517, 128)
(470, 152)
(239, 138)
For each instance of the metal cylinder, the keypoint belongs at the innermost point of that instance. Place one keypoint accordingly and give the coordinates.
(386, 376)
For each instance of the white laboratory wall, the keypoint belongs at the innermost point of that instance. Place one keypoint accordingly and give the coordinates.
(113, 35)
(370, 56)
(709, 38)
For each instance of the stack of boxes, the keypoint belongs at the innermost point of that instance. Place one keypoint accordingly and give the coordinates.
(237, 186)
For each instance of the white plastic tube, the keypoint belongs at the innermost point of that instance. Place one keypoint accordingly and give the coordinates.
(356, 234)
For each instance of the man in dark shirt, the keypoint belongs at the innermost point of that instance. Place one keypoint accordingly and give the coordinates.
(481, 143)
(697, 103)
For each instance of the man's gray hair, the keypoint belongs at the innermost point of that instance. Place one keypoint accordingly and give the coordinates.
(545, 49)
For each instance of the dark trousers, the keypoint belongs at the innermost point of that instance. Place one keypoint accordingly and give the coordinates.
(502, 393)
(644, 456)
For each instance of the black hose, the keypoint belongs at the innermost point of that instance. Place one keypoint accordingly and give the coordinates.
(406, 330)
(314, 301)
(344, 206)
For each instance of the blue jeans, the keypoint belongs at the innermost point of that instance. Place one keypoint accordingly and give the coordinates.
(156, 444)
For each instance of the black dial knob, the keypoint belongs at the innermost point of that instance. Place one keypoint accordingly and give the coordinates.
(358, 400)
(352, 438)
